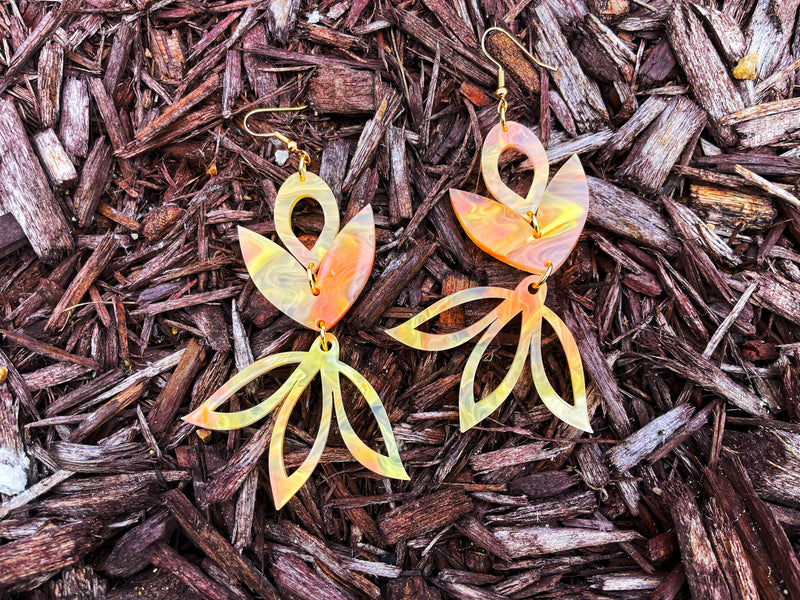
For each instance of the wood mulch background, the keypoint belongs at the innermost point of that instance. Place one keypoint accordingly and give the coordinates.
(124, 301)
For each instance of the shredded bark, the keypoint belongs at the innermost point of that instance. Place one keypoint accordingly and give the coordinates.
(125, 171)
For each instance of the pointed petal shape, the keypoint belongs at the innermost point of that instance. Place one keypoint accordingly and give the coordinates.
(500, 232)
(345, 269)
(285, 486)
(388, 465)
(576, 415)
(341, 276)
(276, 274)
(206, 416)
(563, 210)
(408, 334)
(471, 412)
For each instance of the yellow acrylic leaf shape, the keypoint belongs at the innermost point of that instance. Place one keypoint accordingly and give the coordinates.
(502, 227)
(470, 412)
(330, 368)
(341, 261)
(530, 304)
(576, 415)
(408, 334)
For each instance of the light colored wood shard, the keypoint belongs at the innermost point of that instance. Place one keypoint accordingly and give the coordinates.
(55, 159)
(168, 58)
(732, 209)
(25, 191)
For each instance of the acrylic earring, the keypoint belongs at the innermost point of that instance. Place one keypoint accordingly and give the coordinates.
(315, 287)
(534, 234)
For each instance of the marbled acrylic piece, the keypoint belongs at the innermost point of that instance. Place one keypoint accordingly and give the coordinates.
(342, 260)
(330, 369)
(502, 227)
(530, 304)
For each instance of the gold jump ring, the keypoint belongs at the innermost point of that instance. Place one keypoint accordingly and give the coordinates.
(544, 278)
(322, 332)
(312, 279)
(535, 224)
(305, 159)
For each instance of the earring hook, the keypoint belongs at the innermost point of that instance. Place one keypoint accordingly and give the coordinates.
(501, 91)
(291, 145)
(518, 44)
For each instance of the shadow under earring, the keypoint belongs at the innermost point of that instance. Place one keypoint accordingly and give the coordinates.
(534, 234)
(315, 287)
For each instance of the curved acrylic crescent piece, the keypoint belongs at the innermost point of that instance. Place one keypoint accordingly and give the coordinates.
(330, 369)
(528, 302)
(340, 260)
(502, 227)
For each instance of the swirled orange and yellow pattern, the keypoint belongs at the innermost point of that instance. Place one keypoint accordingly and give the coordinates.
(315, 287)
(529, 303)
(317, 360)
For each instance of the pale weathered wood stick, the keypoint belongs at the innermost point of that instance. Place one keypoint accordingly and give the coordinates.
(25, 192)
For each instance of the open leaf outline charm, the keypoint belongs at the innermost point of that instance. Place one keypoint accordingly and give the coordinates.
(340, 260)
(530, 304)
(309, 364)
(502, 227)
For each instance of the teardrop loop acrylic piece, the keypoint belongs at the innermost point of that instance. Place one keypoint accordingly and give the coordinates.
(502, 227)
(292, 191)
(528, 303)
(523, 139)
(320, 361)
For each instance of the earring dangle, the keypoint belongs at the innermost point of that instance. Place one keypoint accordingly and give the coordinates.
(534, 234)
(314, 287)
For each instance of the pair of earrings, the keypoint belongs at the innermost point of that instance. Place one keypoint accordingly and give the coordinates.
(316, 287)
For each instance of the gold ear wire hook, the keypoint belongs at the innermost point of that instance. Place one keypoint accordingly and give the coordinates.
(291, 145)
(501, 74)
(519, 45)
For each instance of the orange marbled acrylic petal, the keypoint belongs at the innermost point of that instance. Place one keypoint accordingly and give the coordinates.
(500, 232)
(564, 206)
